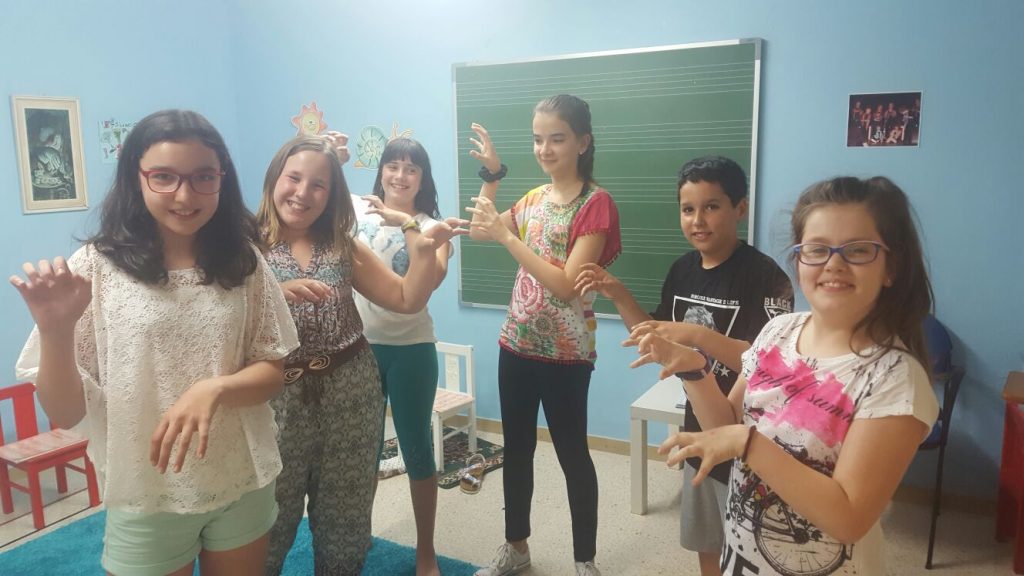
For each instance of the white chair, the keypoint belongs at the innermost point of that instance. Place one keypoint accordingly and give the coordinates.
(454, 398)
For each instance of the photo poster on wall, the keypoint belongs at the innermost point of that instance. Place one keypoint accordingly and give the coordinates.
(653, 109)
(48, 139)
(884, 119)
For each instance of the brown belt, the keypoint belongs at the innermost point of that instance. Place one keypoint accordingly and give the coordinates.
(323, 364)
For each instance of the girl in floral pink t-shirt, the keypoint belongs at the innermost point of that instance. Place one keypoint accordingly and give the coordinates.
(547, 340)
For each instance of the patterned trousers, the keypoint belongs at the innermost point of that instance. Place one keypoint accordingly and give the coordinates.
(329, 435)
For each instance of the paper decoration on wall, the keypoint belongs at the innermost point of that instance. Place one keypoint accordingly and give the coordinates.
(112, 135)
(372, 142)
(310, 120)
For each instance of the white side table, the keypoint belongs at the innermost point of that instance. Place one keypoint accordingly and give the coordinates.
(658, 404)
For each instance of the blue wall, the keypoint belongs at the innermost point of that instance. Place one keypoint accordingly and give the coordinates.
(250, 65)
(122, 60)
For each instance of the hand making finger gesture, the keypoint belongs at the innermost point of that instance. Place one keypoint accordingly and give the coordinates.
(56, 296)
(678, 332)
(712, 446)
(441, 233)
(485, 151)
(340, 143)
(673, 357)
(487, 219)
(192, 414)
(302, 290)
(593, 277)
(390, 216)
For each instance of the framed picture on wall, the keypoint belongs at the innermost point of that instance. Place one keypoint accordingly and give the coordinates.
(48, 137)
(884, 119)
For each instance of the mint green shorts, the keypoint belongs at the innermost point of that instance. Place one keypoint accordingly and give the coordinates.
(160, 543)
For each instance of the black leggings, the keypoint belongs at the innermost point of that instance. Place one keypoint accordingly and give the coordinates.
(525, 384)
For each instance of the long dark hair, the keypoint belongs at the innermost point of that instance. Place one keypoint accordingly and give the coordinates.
(400, 149)
(576, 113)
(128, 233)
(334, 226)
(902, 307)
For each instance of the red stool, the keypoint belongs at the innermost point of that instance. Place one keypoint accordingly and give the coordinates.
(1010, 506)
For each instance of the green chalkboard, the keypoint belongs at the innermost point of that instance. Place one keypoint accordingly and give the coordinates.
(653, 109)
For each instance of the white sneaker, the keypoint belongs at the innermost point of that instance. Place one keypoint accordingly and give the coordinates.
(506, 561)
(587, 569)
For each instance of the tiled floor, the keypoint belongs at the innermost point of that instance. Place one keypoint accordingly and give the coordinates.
(470, 527)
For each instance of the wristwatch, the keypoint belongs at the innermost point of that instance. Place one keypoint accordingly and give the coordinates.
(695, 375)
(488, 176)
(412, 224)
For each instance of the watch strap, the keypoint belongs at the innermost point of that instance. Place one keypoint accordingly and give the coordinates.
(694, 375)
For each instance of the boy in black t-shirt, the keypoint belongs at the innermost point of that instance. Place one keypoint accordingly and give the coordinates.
(716, 298)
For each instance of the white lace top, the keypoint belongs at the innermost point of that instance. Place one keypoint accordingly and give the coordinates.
(139, 347)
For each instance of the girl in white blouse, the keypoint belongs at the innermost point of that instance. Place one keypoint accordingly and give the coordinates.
(164, 337)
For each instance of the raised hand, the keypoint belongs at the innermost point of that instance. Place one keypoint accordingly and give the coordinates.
(442, 232)
(191, 414)
(712, 446)
(56, 296)
(485, 151)
(673, 357)
(340, 143)
(391, 216)
(487, 219)
(306, 290)
(593, 277)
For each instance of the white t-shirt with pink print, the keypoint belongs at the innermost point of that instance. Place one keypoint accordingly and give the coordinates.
(806, 405)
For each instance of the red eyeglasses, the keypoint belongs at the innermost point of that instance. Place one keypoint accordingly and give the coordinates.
(164, 181)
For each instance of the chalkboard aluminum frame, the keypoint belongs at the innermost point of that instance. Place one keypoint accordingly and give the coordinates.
(755, 117)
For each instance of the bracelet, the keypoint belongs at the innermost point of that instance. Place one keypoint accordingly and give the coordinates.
(488, 176)
(746, 447)
(412, 224)
(695, 375)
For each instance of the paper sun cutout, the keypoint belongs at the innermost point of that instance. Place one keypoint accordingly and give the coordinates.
(310, 120)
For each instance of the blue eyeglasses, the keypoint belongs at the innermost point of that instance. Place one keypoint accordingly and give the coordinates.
(859, 252)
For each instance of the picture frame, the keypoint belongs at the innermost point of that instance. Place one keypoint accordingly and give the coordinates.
(883, 119)
(48, 139)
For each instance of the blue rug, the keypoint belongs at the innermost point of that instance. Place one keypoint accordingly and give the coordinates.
(75, 550)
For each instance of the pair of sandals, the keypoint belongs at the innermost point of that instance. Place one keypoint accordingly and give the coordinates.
(471, 478)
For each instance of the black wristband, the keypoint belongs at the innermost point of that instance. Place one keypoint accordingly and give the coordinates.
(694, 375)
(488, 176)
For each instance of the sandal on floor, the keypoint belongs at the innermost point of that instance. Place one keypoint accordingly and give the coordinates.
(391, 467)
(471, 478)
